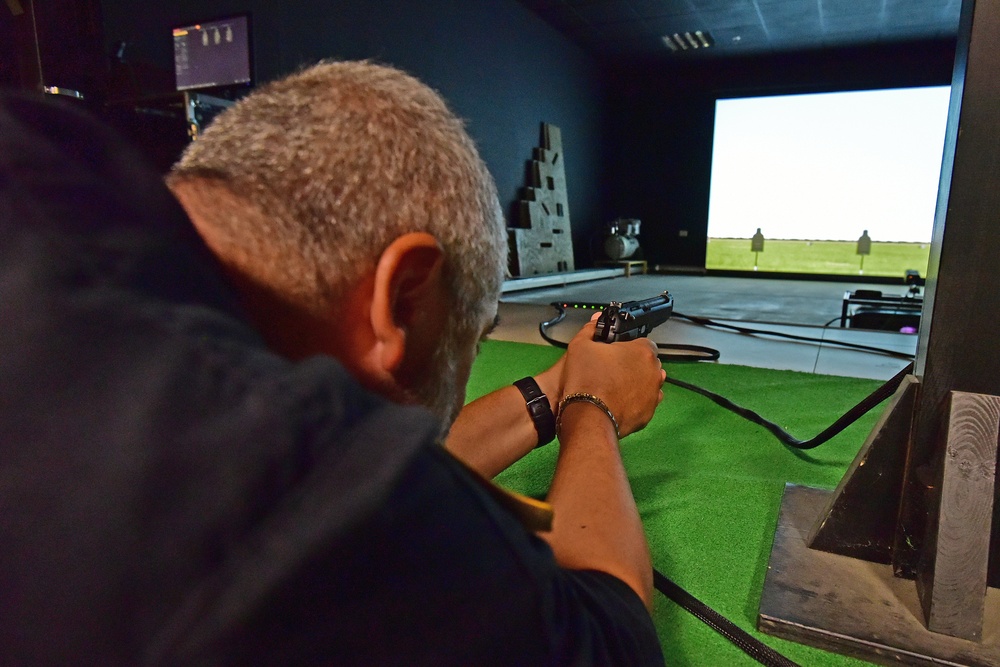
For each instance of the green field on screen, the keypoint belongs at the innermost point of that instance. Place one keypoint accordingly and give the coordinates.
(820, 257)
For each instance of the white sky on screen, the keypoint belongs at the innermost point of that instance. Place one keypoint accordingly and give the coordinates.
(828, 166)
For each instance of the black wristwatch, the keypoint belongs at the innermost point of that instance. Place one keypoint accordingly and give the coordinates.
(539, 409)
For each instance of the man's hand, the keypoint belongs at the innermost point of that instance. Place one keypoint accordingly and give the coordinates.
(495, 430)
(627, 376)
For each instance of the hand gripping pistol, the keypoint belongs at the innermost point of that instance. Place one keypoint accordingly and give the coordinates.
(634, 319)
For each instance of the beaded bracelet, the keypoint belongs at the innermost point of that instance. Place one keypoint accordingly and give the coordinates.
(589, 398)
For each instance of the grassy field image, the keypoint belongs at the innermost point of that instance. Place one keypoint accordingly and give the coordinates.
(822, 257)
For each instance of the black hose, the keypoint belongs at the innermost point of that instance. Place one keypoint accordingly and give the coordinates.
(880, 394)
(747, 643)
(706, 322)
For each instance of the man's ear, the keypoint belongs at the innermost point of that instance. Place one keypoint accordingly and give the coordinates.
(408, 304)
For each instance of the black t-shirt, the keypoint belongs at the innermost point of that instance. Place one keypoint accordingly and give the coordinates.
(173, 493)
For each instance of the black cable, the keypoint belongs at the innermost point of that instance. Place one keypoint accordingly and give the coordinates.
(697, 353)
(706, 322)
(706, 353)
(747, 643)
(880, 394)
(703, 353)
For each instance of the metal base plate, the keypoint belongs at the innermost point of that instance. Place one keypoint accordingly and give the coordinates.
(852, 606)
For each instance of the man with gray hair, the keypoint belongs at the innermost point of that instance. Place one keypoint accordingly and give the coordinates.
(225, 445)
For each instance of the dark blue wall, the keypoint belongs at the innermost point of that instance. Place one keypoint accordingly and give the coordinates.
(500, 67)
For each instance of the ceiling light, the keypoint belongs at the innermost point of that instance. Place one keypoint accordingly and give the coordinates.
(686, 41)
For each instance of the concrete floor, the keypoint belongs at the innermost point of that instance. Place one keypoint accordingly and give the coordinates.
(789, 306)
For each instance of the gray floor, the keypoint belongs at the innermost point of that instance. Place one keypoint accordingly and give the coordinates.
(790, 306)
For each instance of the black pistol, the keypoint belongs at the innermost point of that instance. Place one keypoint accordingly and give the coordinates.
(633, 319)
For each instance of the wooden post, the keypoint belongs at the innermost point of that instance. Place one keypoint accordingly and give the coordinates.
(860, 518)
(958, 336)
(952, 573)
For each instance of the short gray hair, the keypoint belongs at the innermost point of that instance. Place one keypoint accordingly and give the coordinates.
(337, 161)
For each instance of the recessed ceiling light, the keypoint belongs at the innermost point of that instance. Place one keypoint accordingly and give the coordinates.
(669, 41)
(688, 41)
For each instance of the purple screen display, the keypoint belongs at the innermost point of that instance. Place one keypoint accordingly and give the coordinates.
(215, 53)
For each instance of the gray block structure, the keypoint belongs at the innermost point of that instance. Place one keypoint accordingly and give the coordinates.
(541, 242)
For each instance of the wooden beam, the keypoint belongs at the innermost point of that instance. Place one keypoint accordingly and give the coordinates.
(860, 520)
(852, 606)
(952, 573)
(958, 335)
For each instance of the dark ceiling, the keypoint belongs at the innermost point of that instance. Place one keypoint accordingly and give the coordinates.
(624, 28)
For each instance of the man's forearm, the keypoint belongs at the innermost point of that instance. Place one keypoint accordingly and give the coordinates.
(492, 432)
(496, 430)
(596, 525)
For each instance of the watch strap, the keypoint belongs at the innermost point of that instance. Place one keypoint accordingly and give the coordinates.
(539, 409)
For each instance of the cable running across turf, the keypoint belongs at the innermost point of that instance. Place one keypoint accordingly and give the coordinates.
(706, 322)
(699, 353)
(750, 645)
(743, 640)
(880, 394)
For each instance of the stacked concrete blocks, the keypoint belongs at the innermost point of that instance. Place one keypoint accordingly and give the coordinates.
(541, 242)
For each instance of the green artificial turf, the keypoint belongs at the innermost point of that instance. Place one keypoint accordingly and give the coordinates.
(821, 257)
(709, 483)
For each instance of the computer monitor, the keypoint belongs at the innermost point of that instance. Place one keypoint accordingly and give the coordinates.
(213, 54)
